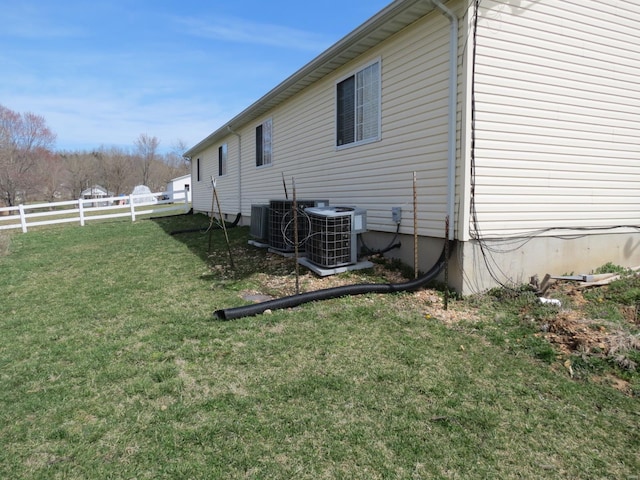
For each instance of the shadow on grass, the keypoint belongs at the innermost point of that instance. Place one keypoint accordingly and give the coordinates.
(236, 260)
(189, 229)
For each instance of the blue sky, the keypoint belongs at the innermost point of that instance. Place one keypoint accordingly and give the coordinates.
(103, 72)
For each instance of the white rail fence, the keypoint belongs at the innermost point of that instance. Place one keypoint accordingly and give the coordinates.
(89, 209)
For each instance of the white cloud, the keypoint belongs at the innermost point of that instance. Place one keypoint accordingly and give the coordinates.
(238, 30)
(33, 22)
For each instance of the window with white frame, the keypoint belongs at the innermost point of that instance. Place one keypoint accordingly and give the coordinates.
(263, 143)
(358, 106)
(222, 160)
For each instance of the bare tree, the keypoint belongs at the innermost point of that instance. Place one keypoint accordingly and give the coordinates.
(162, 173)
(147, 149)
(81, 171)
(24, 140)
(116, 165)
(50, 177)
(176, 159)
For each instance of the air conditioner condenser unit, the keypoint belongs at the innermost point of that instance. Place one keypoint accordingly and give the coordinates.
(281, 223)
(259, 229)
(332, 244)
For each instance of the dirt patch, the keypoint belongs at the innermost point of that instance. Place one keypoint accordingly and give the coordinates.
(578, 336)
(574, 331)
(433, 303)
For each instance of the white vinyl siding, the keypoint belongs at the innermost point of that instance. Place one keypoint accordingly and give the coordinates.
(557, 107)
(375, 176)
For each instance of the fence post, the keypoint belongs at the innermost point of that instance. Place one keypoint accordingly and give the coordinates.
(23, 218)
(186, 201)
(81, 211)
(133, 208)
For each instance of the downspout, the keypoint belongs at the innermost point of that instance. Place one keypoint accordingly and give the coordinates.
(239, 166)
(453, 108)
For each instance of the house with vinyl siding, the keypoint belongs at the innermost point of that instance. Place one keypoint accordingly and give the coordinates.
(179, 187)
(519, 118)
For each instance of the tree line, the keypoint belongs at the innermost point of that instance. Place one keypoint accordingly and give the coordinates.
(31, 170)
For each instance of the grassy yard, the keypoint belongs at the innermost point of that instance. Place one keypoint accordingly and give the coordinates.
(112, 366)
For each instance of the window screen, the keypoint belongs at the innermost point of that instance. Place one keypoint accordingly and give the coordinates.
(222, 159)
(263, 143)
(358, 106)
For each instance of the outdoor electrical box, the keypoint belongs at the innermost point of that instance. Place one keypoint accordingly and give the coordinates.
(396, 214)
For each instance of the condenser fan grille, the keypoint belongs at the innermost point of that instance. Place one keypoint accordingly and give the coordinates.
(331, 241)
(259, 222)
(281, 223)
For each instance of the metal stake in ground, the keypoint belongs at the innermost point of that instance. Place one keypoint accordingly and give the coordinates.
(446, 263)
(415, 228)
(295, 234)
(224, 227)
(213, 209)
(284, 185)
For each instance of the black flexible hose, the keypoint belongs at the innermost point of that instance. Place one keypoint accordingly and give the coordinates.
(328, 293)
(204, 229)
(382, 250)
(391, 246)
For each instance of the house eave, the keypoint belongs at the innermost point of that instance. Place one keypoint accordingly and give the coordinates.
(386, 23)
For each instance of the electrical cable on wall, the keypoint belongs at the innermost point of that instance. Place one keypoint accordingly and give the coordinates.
(392, 244)
(490, 246)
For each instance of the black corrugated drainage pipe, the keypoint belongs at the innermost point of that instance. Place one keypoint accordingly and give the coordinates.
(328, 293)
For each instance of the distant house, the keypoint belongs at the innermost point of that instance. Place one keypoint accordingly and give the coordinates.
(179, 185)
(96, 192)
(520, 119)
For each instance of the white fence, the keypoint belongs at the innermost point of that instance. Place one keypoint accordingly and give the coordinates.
(83, 210)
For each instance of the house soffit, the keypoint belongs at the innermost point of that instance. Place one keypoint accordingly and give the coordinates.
(377, 29)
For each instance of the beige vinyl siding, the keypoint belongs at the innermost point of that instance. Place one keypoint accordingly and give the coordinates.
(376, 176)
(202, 192)
(227, 185)
(557, 99)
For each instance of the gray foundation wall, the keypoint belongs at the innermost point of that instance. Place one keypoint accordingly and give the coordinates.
(476, 267)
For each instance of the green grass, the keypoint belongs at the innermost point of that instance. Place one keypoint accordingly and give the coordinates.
(112, 366)
(5, 241)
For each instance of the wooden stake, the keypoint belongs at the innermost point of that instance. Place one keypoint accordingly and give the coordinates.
(224, 226)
